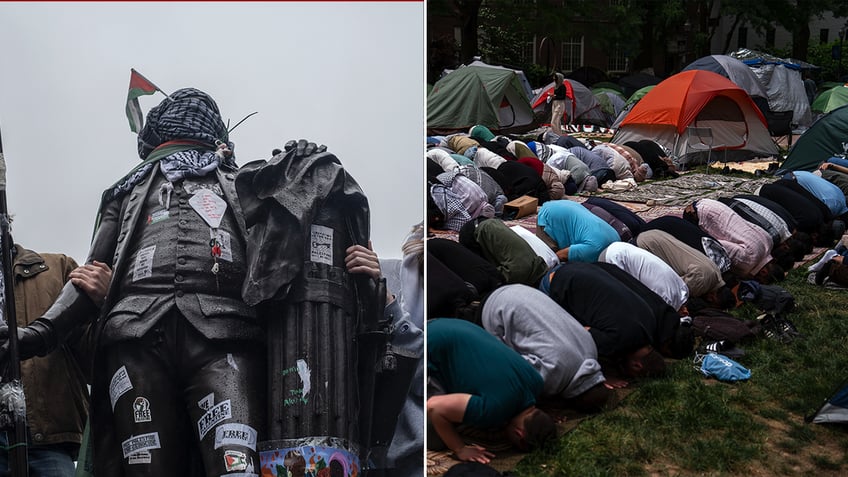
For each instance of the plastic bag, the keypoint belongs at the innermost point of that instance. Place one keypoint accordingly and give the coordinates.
(723, 368)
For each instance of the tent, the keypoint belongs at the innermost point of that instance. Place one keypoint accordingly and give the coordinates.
(783, 83)
(608, 85)
(471, 95)
(827, 137)
(611, 101)
(732, 69)
(525, 83)
(698, 98)
(581, 107)
(522, 78)
(834, 409)
(830, 99)
(631, 101)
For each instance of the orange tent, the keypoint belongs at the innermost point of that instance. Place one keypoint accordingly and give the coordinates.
(702, 99)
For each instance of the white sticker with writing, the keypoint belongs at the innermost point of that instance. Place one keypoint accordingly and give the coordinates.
(209, 206)
(321, 248)
(141, 410)
(238, 434)
(120, 384)
(144, 442)
(140, 457)
(158, 216)
(206, 402)
(213, 417)
(144, 263)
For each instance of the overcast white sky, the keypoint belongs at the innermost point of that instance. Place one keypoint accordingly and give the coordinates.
(348, 75)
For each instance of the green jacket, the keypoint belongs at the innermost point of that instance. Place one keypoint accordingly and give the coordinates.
(55, 385)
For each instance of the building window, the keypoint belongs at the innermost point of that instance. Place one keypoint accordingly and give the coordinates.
(572, 54)
(528, 51)
(742, 39)
(823, 34)
(617, 60)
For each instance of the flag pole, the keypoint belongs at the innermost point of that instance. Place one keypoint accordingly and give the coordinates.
(18, 463)
(132, 70)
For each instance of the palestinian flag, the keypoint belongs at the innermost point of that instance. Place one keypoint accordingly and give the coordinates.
(139, 86)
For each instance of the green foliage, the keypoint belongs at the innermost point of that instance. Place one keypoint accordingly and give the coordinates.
(537, 75)
(820, 55)
(502, 41)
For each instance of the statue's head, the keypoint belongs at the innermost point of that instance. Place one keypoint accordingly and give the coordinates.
(187, 113)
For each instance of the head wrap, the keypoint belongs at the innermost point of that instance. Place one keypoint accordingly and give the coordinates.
(188, 114)
(481, 133)
(187, 128)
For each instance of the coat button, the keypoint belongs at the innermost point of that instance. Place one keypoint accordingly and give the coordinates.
(38, 437)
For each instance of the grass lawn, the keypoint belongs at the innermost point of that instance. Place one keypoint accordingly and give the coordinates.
(686, 424)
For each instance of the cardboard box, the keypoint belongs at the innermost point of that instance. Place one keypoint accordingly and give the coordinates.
(522, 207)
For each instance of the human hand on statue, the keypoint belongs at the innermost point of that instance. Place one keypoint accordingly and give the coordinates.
(360, 259)
(303, 148)
(93, 279)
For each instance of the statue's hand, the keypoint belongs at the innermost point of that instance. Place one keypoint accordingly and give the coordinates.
(31, 341)
(304, 148)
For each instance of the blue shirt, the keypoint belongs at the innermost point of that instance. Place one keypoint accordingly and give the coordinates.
(824, 190)
(571, 225)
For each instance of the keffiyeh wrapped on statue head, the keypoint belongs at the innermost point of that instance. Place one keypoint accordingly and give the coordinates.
(188, 114)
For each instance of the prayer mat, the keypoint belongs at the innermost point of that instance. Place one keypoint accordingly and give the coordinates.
(687, 188)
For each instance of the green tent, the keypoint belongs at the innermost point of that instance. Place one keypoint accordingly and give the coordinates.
(472, 95)
(820, 142)
(830, 99)
(638, 94)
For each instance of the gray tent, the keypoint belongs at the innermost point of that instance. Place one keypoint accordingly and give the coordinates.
(783, 83)
(734, 70)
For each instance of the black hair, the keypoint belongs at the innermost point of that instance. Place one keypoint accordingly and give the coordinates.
(801, 244)
(772, 272)
(539, 427)
(593, 399)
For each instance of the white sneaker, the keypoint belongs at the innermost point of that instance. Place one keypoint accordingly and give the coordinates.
(826, 258)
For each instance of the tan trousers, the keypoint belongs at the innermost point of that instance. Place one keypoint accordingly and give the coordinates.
(557, 110)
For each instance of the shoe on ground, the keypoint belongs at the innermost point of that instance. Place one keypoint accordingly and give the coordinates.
(772, 329)
(825, 258)
(723, 347)
(823, 273)
(787, 327)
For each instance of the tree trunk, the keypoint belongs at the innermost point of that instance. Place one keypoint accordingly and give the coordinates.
(730, 32)
(800, 40)
(469, 48)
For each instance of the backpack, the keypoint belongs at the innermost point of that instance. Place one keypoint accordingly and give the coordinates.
(715, 324)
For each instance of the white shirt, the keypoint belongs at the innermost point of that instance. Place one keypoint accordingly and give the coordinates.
(648, 269)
